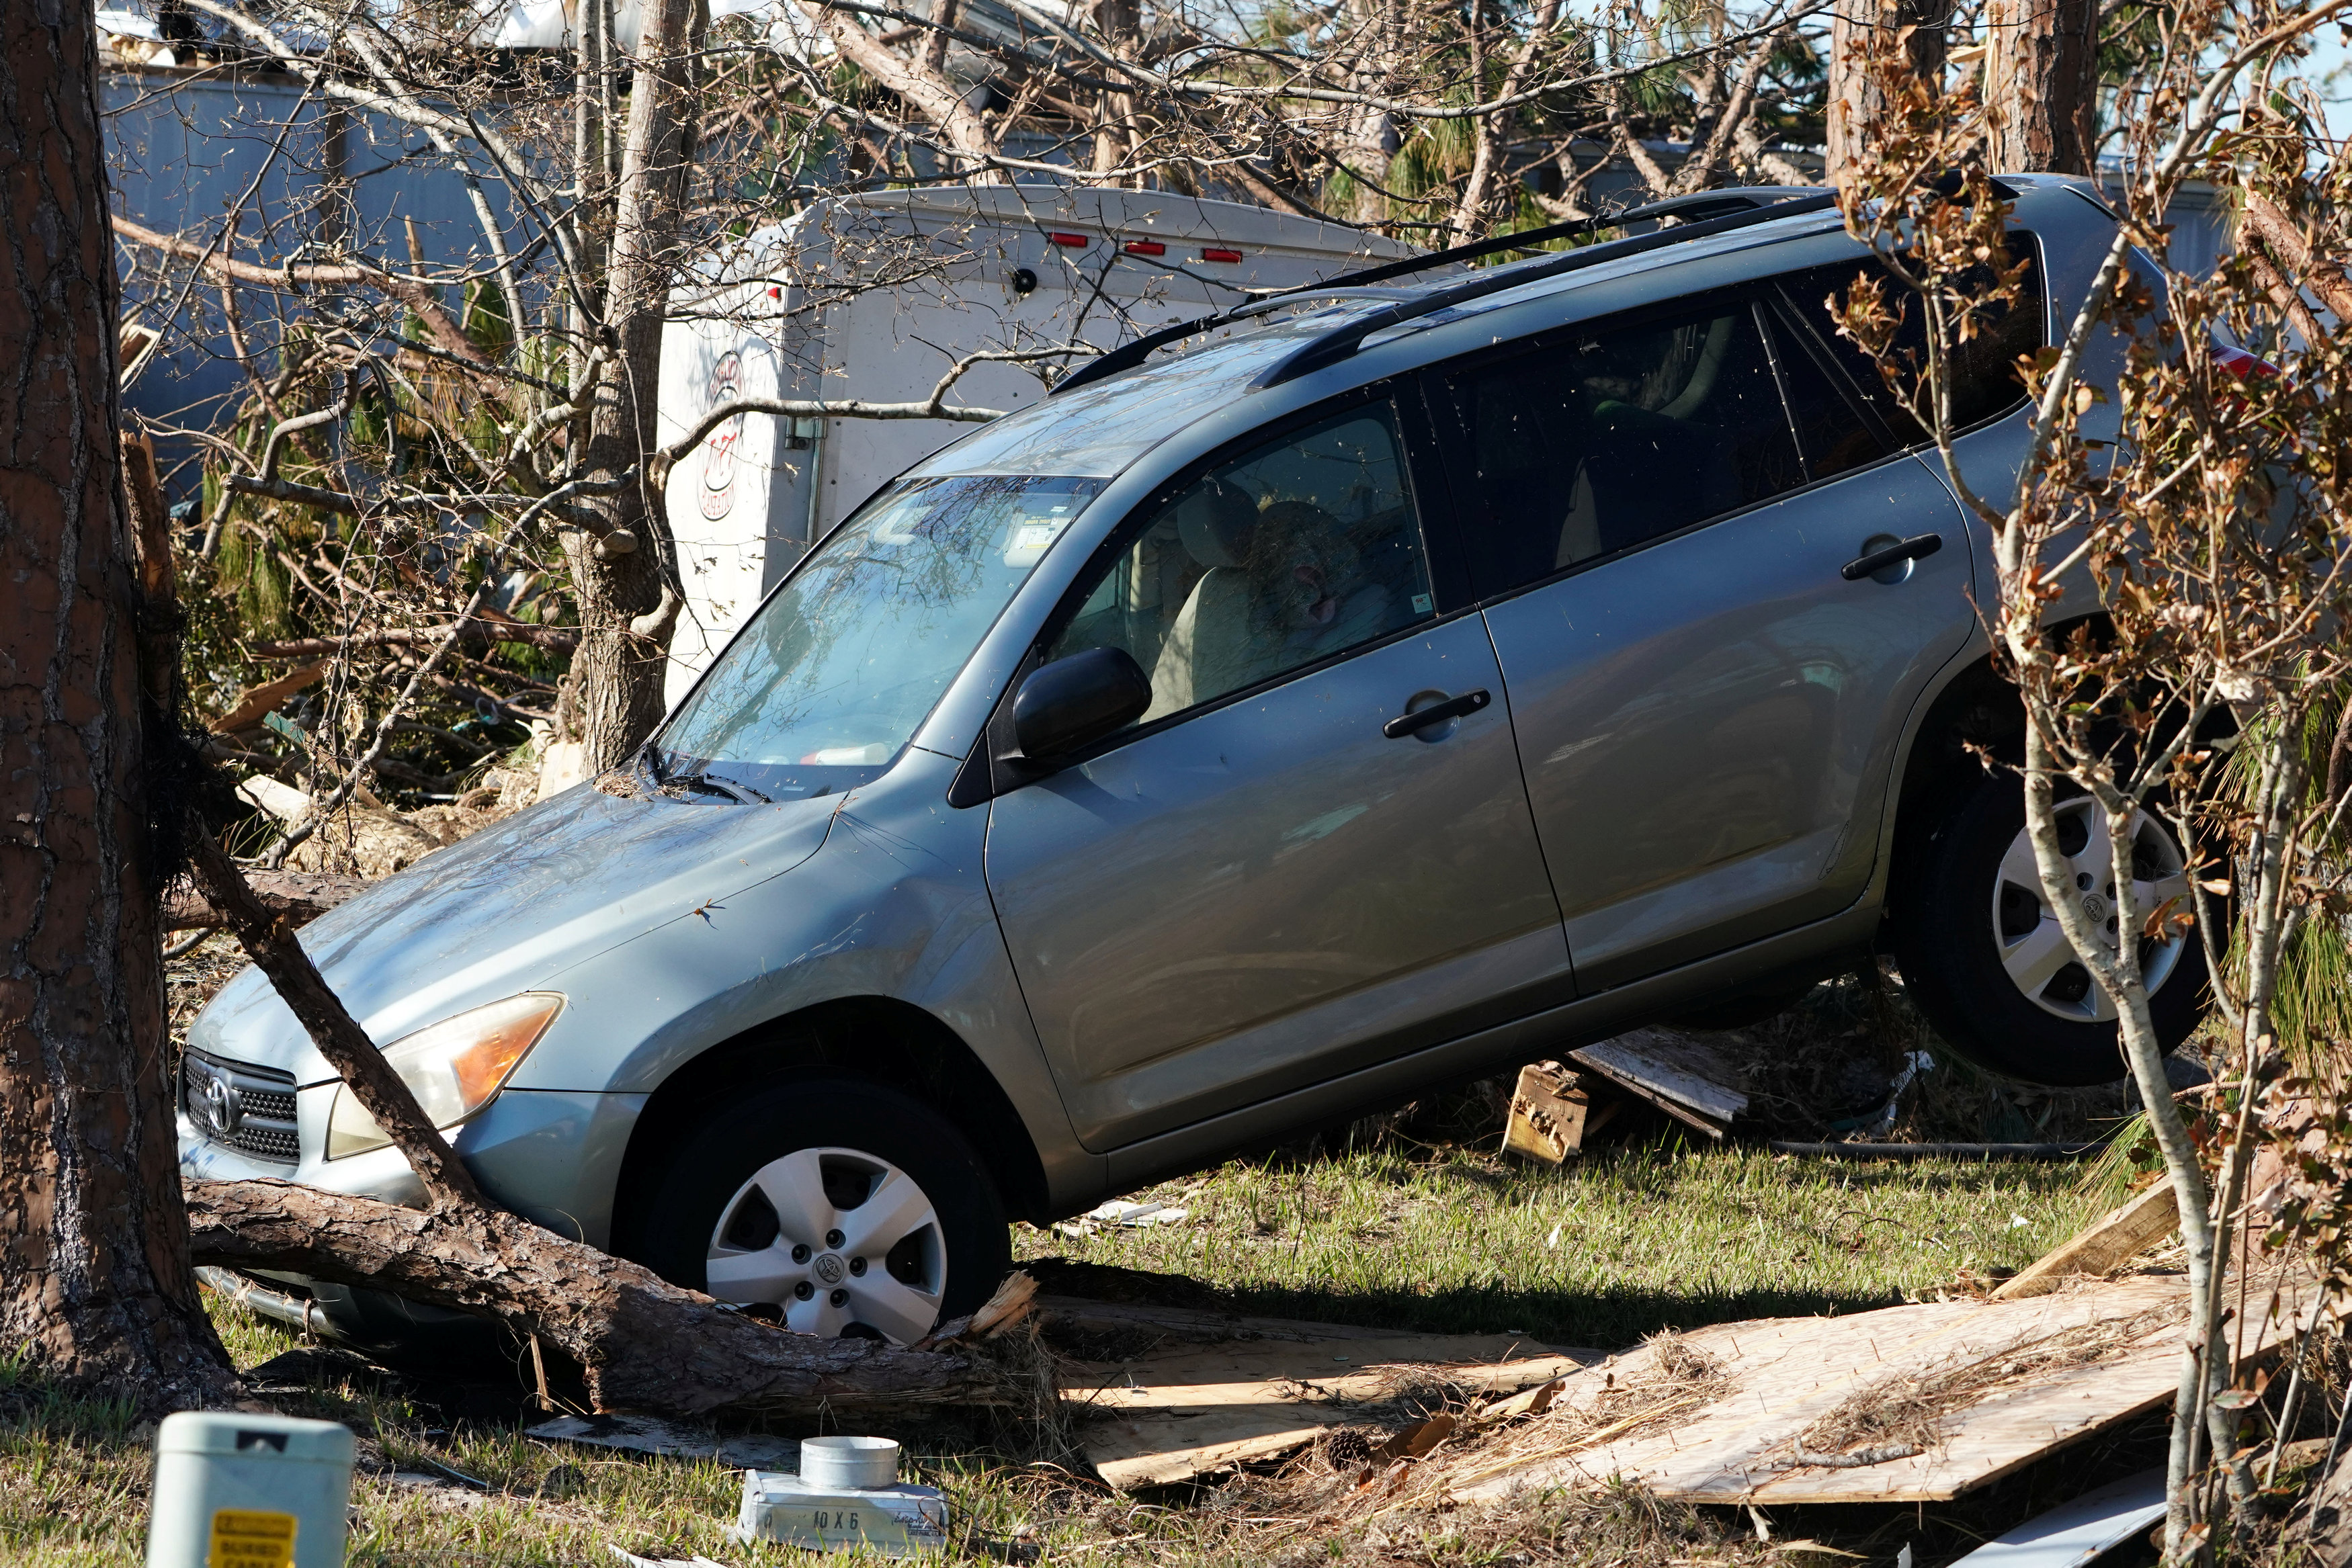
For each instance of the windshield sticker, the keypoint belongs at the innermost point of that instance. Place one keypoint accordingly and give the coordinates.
(1031, 539)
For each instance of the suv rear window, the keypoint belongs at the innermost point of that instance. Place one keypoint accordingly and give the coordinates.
(1985, 383)
(1599, 440)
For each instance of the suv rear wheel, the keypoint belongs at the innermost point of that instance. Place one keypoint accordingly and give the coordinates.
(845, 1206)
(1986, 962)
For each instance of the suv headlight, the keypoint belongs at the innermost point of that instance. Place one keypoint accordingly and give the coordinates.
(455, 1068)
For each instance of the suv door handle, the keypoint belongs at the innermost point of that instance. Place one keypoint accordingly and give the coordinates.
(1422, 718)
(1878, 560)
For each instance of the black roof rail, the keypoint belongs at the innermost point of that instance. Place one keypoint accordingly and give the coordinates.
(1701, 214)
(1342, 341)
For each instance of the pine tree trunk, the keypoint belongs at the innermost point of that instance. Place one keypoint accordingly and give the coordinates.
(95, 1283)
(2041, 81)
(1858, 45)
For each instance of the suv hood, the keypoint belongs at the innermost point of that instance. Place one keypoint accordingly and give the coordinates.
(510, 909)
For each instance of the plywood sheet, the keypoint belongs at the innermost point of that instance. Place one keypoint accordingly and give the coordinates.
(1180, 1412)
(1675, 1072)
(1787, 1374)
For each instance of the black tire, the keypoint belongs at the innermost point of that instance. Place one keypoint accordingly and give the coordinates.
(678, 1221)
(1947, 948)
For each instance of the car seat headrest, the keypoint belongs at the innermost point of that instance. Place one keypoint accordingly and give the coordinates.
(1215, 522)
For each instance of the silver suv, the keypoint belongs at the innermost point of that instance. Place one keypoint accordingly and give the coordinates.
(1232, 743)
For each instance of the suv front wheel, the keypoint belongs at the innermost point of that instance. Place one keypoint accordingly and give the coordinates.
(839, 1206)
(1986, 962)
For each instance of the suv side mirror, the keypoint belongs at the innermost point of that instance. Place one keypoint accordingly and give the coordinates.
(1070, 702)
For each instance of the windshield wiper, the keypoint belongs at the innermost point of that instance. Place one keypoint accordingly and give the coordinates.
(742, 794)
(700, 781)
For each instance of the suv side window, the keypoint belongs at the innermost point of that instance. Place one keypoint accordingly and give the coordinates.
(1831, 429)
(1984, 381)
(1301, 548)
(1599, 440)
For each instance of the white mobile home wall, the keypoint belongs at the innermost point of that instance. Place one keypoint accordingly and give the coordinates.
(785, 317)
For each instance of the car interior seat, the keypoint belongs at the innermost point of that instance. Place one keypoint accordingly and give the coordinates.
(1217, 523)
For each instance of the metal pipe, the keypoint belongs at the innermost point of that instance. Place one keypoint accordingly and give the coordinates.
(278, 1306)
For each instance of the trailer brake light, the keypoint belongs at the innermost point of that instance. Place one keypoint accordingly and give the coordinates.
(1146, 247)
(1213, 254)
(1075, 242)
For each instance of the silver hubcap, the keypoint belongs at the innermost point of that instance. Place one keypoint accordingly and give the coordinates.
(2033, 946)
(841, 1241)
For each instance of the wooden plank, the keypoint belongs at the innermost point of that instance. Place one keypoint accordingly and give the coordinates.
(1549, 1113)
(1174, 1414)
(1192, 1323)
(2101, 1248)
(1787, 1374)
(1674, 1071)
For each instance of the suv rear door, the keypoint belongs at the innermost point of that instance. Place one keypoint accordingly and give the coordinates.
(1657, 509)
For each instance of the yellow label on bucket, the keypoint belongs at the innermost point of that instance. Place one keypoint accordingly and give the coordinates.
(246, 1539)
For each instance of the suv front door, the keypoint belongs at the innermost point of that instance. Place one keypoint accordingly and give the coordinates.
(1658, 512)
(1257, 887)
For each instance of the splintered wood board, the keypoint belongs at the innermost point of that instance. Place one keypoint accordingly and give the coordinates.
(1179, 1413)
(1681, 1075)
(1787, 1373)
(1192, 1323)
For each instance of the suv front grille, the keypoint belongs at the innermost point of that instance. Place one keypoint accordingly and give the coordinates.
(248, 1108)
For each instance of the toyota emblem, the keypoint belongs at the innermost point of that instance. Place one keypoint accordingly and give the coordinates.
(218, 1106)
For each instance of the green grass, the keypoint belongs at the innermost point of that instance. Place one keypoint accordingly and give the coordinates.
(1638, 1239)
(1431, 1240)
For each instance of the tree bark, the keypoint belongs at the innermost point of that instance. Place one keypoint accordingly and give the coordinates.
(1859, 47)
(96, 1288)
(2041, 81)
(291, 897)
(626, 571)
(645, 1344)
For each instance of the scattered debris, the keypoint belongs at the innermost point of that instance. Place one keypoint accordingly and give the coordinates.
(2327, 1518)
(1013, 1304)
(1180, 1412)
(1978, 1388)
(2101, 1248)
(252, 704)
(2074, 1534)
(1118, 1216)
(1861, 1150)
(631, 1558)
(1686, 1077)
(364, 837)
(1119, 1331)
(644, 1435)
(1914, 1064)
(561, 765)
(1553, 1111)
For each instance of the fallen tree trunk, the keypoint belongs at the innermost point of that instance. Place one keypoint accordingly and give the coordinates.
(295, 897)
(646, 1345)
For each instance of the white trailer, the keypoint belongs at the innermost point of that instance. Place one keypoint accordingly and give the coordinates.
(874, 298)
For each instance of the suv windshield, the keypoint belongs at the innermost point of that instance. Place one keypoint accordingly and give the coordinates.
(830, 678)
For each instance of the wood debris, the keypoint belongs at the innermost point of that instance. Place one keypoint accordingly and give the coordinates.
(1176, 1414)
(1952, 1394)
(1687, 1078)
(1553, 1111)
(2102, 1248)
